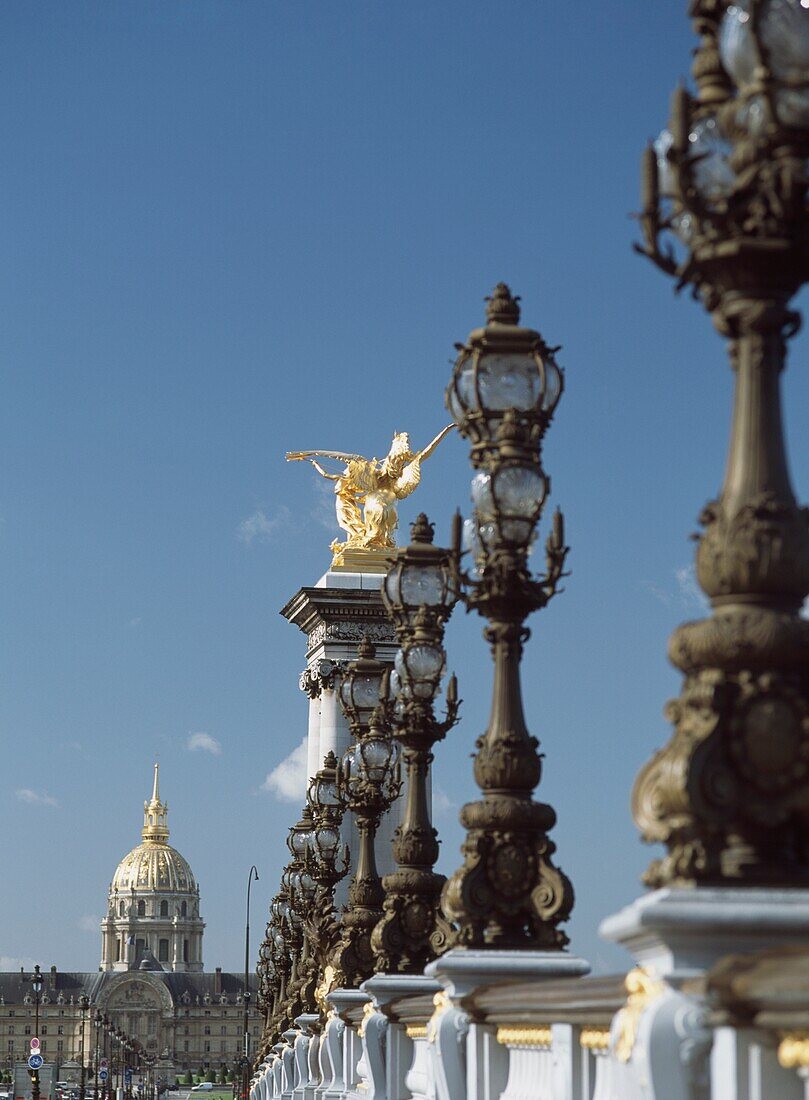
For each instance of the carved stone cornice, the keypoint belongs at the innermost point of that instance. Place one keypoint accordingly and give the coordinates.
(339, 616)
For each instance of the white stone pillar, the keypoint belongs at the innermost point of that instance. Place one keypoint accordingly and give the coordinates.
(314, 757)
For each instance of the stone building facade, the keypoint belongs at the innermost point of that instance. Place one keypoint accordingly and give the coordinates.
(150, 983)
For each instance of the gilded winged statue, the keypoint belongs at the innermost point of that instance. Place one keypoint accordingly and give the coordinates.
(367, 490)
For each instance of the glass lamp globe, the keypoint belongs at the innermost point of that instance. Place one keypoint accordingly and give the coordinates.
(501, 367)
(360, 687)
(420, 577)
(420, 668)
(783, 34)
(508, 504)
(376, 754)
(326, 839)
(710, 151)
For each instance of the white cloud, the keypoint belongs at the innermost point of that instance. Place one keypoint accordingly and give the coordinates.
(288, 779)
(263, 528)
(88, 923)
(684, 592)
(35, 798)
(136, 621)
(324, 513)
(690, 592)
(442, 803)
(12, 962)
(203, 742)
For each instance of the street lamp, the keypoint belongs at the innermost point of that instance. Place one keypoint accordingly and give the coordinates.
(251, 877)
(97, 1023)
(368, 783)
(36, 986)
(725, 212)
(84, 1004)
(419, 593)
(326, 859)
(505, 387)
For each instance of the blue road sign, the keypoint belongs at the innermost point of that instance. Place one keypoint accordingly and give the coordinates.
(103, 1074)
(128, 1076)
(35, 1061)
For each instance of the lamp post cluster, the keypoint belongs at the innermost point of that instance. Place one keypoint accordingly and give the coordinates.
(508, 892)
(725, 213)
(123, 1053)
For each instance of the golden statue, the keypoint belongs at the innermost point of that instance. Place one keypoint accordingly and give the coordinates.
(367, 492)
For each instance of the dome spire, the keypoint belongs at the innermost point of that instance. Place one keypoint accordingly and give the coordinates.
(155, 814)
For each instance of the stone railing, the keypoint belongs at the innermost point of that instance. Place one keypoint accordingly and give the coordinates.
(738, 1032)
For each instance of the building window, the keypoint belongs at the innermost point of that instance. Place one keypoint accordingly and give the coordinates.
(183, 910)
(11, 1047)
(60, 1043)
(11, 1012)
(11, 1029)
(60, 1030)
(121, 909)
(163, 951)
(43, 1047)
(27, 1029)
(207, 1048)
(223, 1031)
(207, 1031)
(185, 1032)
(185, 948)
(44, 1029)
(164, 908)
(117, 950)
(141, 908)
(185, 1045)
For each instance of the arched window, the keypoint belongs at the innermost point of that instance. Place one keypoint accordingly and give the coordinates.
(141, 908)
(164, 908)
(121, 909)
(163, 951)
(184, 910)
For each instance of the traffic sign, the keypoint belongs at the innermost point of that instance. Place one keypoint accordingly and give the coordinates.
(102, 1063)
(128, 1076)
(35, 1061)
(103, 1074)
(34, 1043)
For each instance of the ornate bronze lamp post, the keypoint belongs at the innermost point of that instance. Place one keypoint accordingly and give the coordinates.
(419, 594)
(727, 184)
(367, 784)
(504, 390)
(252, 876)
(326, 860)
(300, 889)
(97, 1023)
(84, 1004)
(36, 986)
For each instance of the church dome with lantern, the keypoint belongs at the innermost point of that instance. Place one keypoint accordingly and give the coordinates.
(152, 919)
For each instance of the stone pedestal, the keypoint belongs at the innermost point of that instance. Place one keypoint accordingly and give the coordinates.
(676, 936)
(335, 615)
(681, 933)
(469, 1061)
(390, 1045)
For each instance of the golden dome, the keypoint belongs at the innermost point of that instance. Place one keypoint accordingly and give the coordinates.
(154, 864)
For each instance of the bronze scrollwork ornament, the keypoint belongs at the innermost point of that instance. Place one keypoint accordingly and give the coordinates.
(727, 183)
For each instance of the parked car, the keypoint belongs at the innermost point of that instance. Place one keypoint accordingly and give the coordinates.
(203, 1086)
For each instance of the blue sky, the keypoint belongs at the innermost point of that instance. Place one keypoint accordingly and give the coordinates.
(232, 228)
